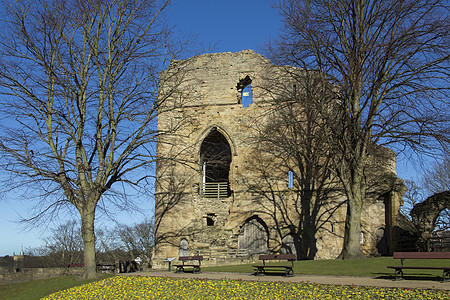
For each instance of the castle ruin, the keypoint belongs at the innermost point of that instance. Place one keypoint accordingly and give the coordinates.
(218, 190)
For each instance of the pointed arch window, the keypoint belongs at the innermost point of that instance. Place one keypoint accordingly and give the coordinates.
(215, 160)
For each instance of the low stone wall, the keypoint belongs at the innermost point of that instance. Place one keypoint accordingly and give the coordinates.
(27, 274)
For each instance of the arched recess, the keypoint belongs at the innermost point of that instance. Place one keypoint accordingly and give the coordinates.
(382, 247)
(254, 236)
(184, 248)
(215, 160)
(217, 127)
(425, 214)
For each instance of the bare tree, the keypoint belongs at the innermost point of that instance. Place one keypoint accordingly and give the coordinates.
(79, 81)
(62, 246)
(65, 240)
(389, 63)
(138, 240)
(413, 195)
(295, 183)
(435, 180)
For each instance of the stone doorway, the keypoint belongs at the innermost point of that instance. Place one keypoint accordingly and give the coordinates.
(253, 236)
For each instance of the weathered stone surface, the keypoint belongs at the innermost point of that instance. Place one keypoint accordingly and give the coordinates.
(424, 215)
(209, 102)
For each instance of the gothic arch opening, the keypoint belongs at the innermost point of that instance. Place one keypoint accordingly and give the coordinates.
(254, 236)
(215, 160)
(425, 215)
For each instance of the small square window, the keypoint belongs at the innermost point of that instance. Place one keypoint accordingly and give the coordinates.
(210, 219)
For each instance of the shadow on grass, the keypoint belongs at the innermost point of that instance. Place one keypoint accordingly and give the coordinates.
(416, 276)
(188, 272)
(271, 273)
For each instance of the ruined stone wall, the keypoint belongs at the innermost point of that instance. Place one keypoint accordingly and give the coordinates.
(28, 274)
(208, 99)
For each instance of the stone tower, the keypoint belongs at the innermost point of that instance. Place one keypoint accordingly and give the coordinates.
(209, 198)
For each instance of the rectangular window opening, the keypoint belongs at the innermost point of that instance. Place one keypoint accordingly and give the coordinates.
(290, 179)
(210, 219)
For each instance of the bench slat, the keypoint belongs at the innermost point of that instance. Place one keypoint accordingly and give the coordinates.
(199, 257)
(277, 257)
(185, 265)
(271, 266)
(421, 255)
(430, 268)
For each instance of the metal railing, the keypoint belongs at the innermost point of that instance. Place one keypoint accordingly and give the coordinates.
(214, 190)
(439, 244)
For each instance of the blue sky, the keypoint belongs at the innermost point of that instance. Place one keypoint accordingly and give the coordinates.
(232, 26)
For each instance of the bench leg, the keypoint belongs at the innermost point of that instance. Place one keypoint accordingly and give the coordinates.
(445, 275)
(397, 273)
(196, 270)
(259, 271)
(288, 272)
(179, 269)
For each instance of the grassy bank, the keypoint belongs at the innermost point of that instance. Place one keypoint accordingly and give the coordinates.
(37, 289)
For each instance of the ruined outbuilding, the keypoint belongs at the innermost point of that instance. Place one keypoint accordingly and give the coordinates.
(425, 214)
(205, 202)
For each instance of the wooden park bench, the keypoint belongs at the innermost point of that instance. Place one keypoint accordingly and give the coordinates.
(288, 268)
(187, 262)
(421, 255)
(106, 267)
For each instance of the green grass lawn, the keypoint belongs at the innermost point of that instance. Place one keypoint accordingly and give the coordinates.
(369, 267)
(113, 288)
(37, 289)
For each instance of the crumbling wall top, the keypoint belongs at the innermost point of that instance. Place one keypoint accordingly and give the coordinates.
(213, 78)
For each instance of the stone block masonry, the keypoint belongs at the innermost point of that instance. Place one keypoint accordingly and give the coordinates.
(210, 196)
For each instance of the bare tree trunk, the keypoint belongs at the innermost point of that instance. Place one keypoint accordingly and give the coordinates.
(88, 234)
(352, 245)
(309, 247)
(356, 192)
